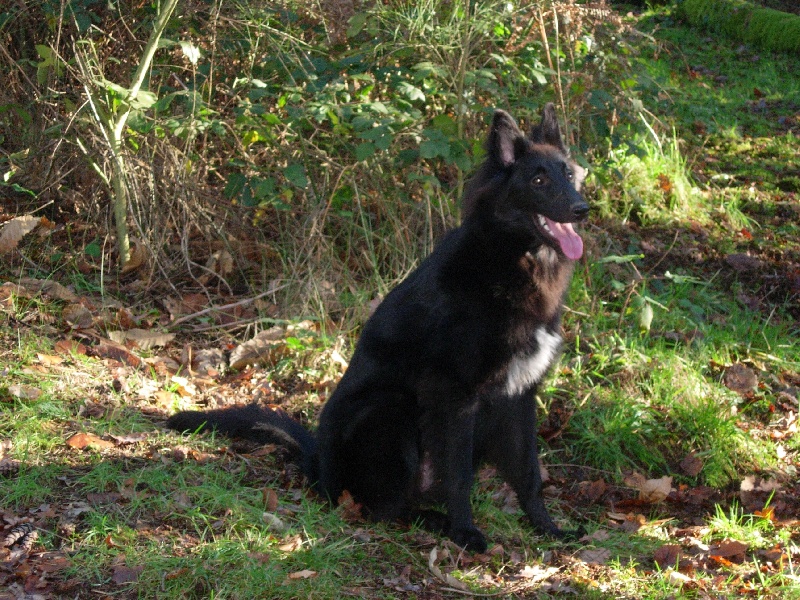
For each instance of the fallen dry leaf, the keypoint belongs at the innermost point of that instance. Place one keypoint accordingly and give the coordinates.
(207, 361)
(678, 579)
(47, 287)
(270, 499)
(291, 544)
(402, 583)
(124, 574)
(180, 572)
(595, 556)
(182, 499)
(137, 256)
(721, 560)
(70, 347)
(650, 490)
(164, 398)
(731, 550)
(433, 559)
(691, 465)
(48, 359)
(52, 562)
(24, 392)
(753, 483)
(14, 230)
(775, 555)
(141, 338)
(124, 318)
(274, 522)
(767, 514)
(349, 509)
(667, 555)
(131, 438)
(77, 316)
(743, 262)
(740, 379)
(265, 347)
(304, 574)
(630, 523)
(185, 387)
(537, 572)
(597, 536)
(593, 490)
(103, 497)
(110, 350)
(79, 441)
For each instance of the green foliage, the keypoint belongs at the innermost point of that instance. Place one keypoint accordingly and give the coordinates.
(403, 90)
(317, 137)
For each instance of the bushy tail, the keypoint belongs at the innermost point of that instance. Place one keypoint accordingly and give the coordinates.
(257, 424)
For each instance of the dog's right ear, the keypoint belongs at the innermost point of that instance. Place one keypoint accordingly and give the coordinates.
(548, 131)
(506, 143)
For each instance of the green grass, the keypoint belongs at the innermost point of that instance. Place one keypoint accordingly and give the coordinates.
(652, 395)
(649, 186)
(753, 530)
(652, 386)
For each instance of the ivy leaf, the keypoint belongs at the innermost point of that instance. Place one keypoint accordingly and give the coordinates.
(381, 136)
(295, 173)
(235, 185)
(411, 92)
(93, 249)
(437, 144)
(263, 187)
(191, 52)
(646, 316)
(446, 124)
(378, 107)
(143, 100)
(364, 150)
(356, 24)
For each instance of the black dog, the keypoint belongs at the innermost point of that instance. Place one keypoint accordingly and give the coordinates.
(445, 372)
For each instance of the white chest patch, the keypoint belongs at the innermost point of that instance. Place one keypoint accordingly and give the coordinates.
(524, 370)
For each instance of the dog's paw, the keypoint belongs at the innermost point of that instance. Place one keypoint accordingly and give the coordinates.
(470, 539)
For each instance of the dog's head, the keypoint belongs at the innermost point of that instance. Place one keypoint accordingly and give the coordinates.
(531, 184)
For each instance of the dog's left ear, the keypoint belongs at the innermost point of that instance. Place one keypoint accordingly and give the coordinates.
(548, 132)
(506, 143)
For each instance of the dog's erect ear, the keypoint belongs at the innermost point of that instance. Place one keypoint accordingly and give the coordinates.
(506, 142)
(547, 132)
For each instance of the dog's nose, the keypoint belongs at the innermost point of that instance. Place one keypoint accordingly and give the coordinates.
(580, 211)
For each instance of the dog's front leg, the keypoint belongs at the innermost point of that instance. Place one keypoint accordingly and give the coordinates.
(459, 444)
(509, 441)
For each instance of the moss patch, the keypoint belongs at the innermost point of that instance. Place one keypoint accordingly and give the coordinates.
(762, 27)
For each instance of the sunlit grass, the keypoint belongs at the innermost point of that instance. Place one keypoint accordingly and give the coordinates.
(734, 524)
(650, 185)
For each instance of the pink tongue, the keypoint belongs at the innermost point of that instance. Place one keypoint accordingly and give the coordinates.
(570, 242)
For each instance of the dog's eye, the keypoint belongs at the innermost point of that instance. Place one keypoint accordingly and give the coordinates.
(570, 175)
(538, 180)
